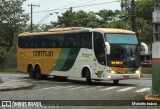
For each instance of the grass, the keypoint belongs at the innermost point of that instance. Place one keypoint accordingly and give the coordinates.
(146, 70)
(9, 70)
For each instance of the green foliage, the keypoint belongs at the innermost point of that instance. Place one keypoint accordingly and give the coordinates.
(145, 31)
(144, 9)
(108, 15)
(4, 54)
(67, 19)
(70, 18)
(12, 20)
(79, 19)
(116, 24)
(47, 27)
(13, 70)
(146, 70)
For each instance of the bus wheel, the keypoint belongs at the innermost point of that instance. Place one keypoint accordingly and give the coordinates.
(88, 77)
(115, 82)
(38, 73)
(31, 72)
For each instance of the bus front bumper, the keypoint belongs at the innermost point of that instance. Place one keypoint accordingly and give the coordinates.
(122, 76)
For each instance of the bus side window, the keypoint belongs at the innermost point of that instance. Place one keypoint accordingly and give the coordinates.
(85, 40)
(99, 49)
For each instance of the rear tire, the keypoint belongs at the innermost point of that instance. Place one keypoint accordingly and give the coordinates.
(88, 77)
(31, 72)
(38, 73)
(116, 82)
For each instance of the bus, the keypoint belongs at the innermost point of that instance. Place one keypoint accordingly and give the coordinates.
(90, 53)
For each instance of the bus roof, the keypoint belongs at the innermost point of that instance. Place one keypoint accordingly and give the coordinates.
(113, 30)
(76, 29)
(57, 30)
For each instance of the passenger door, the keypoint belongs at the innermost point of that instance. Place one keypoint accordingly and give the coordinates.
(100, 58)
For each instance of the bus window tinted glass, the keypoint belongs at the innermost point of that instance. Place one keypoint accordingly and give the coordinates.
(69, 40)
(121, 38)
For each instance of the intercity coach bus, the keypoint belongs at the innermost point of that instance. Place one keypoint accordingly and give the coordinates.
(91, 53)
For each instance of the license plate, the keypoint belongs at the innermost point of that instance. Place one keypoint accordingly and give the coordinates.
(126, 77)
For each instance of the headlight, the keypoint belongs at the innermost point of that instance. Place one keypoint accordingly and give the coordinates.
(109, 77)
(137, 72)
(113, 72)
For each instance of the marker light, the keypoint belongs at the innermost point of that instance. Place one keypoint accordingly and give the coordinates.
(113, 63)
(117, 62)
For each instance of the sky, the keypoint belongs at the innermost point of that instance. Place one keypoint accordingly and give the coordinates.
(43, 8)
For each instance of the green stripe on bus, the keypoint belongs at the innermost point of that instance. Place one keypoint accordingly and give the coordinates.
(71, 59)
(62, 59)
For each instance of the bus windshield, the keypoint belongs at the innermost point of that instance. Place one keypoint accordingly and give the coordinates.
(124, 48)
(121, 38)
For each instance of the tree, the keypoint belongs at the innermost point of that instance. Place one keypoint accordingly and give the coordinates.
(67, 18)
(106, 17)
(80, 18)
(45, 27)
(144, 9)
(145, 31)
(4, 54)
(90, 19)
(116, 24)
(12, 20)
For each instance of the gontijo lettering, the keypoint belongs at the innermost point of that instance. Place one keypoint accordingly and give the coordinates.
(43, 53)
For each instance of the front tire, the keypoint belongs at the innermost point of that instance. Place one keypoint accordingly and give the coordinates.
(88, 77)
(116, 82)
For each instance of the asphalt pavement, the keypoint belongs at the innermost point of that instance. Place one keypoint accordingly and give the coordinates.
(6, 85)
(11, 82)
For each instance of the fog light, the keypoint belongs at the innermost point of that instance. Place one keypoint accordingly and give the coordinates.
(109, 77)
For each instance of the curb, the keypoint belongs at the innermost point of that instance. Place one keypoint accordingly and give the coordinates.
(149, 97)
(11, 85)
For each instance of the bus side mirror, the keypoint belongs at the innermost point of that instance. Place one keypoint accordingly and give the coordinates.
(108, 48)
(145, 47)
